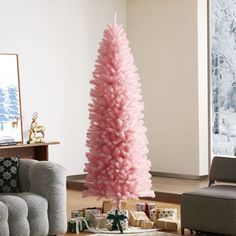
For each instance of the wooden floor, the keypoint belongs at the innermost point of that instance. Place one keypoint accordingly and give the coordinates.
(76, 201)
(166, 189)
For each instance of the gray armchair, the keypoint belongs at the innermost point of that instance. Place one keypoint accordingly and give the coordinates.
(39, 209)
(213, 209)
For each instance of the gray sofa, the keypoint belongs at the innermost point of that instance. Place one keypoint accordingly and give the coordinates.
(213, 209)
(39, 209)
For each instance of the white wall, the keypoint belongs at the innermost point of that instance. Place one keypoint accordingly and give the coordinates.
(202, 87)
(167, 38)
(57, 41)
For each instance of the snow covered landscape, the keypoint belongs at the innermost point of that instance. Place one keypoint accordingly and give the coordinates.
(10, 122)
(223, 75)
(9, 113)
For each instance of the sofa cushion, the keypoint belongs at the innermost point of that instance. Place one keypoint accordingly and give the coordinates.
(8, 174)
(4, 228)
(216, 191)
(37, 213)
(17, 215)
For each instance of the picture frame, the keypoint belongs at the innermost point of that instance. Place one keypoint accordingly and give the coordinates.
(10, 99)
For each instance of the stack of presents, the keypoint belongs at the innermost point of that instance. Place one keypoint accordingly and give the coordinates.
(146, 216)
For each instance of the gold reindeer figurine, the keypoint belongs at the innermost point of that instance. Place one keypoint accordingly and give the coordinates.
(36, 132)
(14, 124)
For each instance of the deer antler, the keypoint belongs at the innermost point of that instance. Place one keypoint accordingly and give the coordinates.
(35, 115)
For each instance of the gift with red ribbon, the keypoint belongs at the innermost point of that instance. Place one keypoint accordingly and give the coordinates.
(146, 207)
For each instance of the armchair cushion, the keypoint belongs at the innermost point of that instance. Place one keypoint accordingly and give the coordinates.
(8, 174)
(218, 191)
(212, 209)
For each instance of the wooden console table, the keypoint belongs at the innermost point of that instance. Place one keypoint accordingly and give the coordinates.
(38, 151)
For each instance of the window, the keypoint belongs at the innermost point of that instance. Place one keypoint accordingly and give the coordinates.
(223, 76)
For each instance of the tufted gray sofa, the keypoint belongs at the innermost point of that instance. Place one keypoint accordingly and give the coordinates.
(39, 209)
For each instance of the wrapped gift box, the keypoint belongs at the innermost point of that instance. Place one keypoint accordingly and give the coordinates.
(147, 224)
(100, 221)
(113, 215)
(153, 214)
(167, 224)
(91, 212)
(158, 213)
(167, 213)
(146, 207)
(142, 206)
(77, 225)
(77, 213)
(73, 227)
(136, 217)
(108, 205)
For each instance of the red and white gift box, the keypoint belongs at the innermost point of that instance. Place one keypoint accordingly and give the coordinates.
(146, 207)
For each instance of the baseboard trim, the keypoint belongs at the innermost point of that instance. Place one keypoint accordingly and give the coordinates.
(73, 177)
(159, 196)
(178, 176)
(153, 173)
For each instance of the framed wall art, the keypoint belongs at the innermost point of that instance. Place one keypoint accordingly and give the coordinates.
(10, 104)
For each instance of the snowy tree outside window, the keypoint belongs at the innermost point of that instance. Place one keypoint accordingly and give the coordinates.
(10, 116)
(223, 76)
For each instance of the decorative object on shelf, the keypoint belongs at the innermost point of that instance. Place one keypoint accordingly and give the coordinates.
(7, 141)
(10, 106)
(117, 220)
(36, 132)
(117, 167)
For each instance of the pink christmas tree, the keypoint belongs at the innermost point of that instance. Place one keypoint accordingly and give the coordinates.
(117, 166)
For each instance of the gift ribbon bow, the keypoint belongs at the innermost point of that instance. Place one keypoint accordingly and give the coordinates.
(79, 224)
(116, 220)
(76, 225)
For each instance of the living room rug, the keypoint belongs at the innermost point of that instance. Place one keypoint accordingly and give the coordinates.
(143, 234)
(132, 231)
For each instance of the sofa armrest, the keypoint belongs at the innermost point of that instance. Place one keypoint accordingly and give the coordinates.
(23, 174)
(49, 180)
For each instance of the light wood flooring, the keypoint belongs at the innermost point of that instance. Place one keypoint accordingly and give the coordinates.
(166, 189)
(76, 201)
(176, 186)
